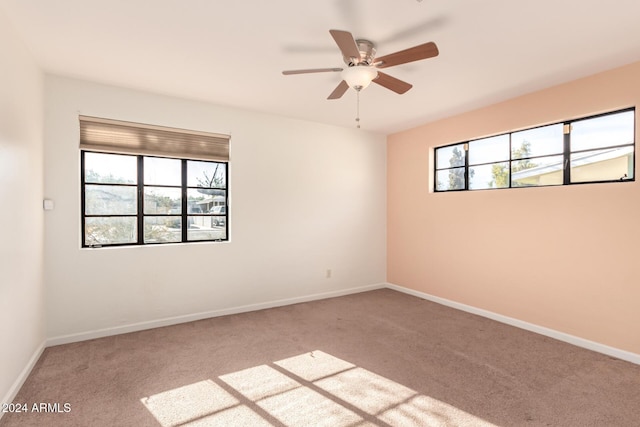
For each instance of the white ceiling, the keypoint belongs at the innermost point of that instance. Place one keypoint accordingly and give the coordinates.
(232, 52)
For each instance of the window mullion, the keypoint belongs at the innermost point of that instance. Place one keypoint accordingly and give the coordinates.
(140, 200)
(185, 213)
(566, 178)
(466, 166)
(509, 166)
(82, 198)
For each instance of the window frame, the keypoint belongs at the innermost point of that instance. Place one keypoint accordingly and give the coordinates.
(566, 154)
(140, 201)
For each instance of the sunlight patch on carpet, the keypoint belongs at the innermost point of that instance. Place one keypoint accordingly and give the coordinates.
(260, 382)
(314, 389)
(315, 365)
(200, 404)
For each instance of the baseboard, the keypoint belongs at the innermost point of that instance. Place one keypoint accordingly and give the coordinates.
(13, 391)
(99, 333)
(561, 336)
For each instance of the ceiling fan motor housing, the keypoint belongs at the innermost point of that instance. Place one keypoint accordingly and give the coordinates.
(367, 54)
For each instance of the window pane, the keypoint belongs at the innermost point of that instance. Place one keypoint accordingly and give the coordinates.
(602, 165)
(219, 213)
(537, 171)
(450, 157)
(216, 203)
(489, 150)
(206, 174)
(536, 142)
(202, 228)
(110, 200)
(604, 131)
(201, 200)
(162, 200)
(110, 168)
(160, 171)
(494, 175)
(450, 179)
(109, 231)
(159, 229)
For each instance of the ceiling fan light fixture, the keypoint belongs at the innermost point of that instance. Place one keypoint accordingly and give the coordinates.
(360, 76)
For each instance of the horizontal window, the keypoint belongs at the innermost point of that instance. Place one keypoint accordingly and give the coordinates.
(593, 149)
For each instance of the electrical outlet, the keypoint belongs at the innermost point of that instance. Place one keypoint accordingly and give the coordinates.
(328, 273)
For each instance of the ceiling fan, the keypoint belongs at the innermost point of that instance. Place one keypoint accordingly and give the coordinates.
(362, 65)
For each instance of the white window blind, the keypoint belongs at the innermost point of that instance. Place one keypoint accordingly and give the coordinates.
(116, 136)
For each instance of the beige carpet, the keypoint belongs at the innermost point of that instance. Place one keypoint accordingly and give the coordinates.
(376, 358)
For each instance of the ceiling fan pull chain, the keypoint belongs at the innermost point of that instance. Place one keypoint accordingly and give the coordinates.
(358, 109)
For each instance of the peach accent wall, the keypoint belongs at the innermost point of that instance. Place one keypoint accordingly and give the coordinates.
(565, 258)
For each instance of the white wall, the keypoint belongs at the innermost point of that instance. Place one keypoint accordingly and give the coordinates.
(21, 291)
(305, 198)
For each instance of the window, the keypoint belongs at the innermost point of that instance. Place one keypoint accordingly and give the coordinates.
(140, 199)
(593, 149)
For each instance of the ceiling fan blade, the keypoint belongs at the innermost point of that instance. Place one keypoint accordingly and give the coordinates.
(416, 53)
(339, 90)
(346, 43)
(311, 70)
(391, 83)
